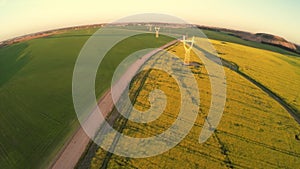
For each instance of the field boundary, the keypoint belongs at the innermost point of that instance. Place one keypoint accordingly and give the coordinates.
(72, 152)
(234, 67)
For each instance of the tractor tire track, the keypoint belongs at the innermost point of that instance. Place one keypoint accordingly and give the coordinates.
(71, 153)
(234, 67)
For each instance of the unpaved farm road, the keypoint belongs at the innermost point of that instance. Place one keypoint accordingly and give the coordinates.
(72, 151)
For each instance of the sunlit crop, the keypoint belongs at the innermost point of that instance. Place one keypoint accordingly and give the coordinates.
(255, 131)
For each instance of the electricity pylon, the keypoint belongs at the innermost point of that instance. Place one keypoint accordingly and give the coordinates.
(187, 49)
(156, 31)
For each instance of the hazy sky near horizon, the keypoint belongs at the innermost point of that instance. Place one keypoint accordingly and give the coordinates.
(279, 17)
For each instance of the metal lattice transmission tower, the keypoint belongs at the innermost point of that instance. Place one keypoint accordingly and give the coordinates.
(187, 49)
(157, 31)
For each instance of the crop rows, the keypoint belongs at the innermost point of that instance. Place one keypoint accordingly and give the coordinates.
(255, 131)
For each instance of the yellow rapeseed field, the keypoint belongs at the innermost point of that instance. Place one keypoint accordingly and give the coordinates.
(255, 131)
(280, 73)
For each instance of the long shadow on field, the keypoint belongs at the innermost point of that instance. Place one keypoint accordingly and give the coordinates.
(233, 66)
(12, 60)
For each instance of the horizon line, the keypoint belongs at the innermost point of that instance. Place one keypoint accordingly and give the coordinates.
(104, 23)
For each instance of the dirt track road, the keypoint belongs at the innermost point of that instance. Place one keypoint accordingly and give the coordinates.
(71, 153)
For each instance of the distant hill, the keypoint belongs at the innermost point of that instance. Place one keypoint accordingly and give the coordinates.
(254, 37)
(45, 34)
(258, 37)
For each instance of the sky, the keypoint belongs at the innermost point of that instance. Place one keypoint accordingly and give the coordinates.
(278, 17)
